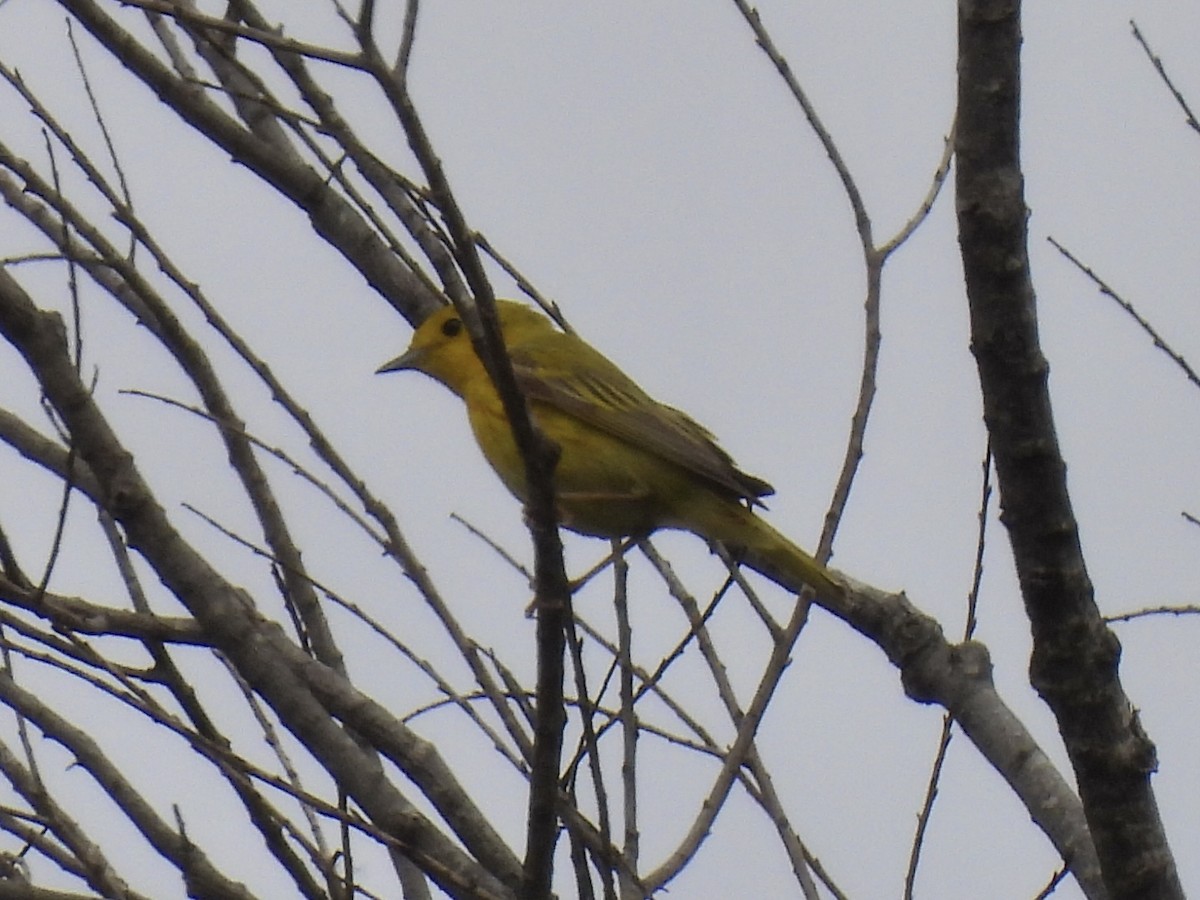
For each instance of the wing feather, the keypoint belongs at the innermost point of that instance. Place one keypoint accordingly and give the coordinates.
(596, 391)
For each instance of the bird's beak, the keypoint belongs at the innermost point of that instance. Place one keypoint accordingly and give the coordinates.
(409, 359)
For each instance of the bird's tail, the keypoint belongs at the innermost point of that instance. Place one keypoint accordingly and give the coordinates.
(762, 548)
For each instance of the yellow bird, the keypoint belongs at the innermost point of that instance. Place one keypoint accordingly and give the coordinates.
(629, 464)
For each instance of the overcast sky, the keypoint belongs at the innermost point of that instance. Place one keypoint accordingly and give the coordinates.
(645, 167)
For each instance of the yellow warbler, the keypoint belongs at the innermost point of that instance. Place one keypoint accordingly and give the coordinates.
(629, 464)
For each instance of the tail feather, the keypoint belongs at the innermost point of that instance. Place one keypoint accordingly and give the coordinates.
(762, 548)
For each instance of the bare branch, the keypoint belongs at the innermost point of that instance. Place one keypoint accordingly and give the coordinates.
(1189, 116)
(1075, 656)
(1143, 323)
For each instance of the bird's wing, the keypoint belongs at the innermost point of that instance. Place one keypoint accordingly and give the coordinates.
(593, 389)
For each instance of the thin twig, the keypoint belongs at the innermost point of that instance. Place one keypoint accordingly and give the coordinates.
(187, 15)
(539, 456)
(926, 207)
(1188, 609)
(939, 758)
(1190, 117)
(1137, 317)
(631, 842)
(102, 124)
(589, 745)
(408, 37)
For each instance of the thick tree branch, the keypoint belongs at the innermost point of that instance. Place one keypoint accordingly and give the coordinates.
(1075, 656)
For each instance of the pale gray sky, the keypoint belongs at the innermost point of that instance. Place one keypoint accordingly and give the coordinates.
(645, 167)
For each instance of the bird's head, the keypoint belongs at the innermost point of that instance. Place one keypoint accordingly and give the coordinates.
(442, 349)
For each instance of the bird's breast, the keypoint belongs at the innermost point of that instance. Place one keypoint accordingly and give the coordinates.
(605, 487)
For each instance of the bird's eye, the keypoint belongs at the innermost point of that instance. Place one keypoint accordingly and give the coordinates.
(451, 327)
